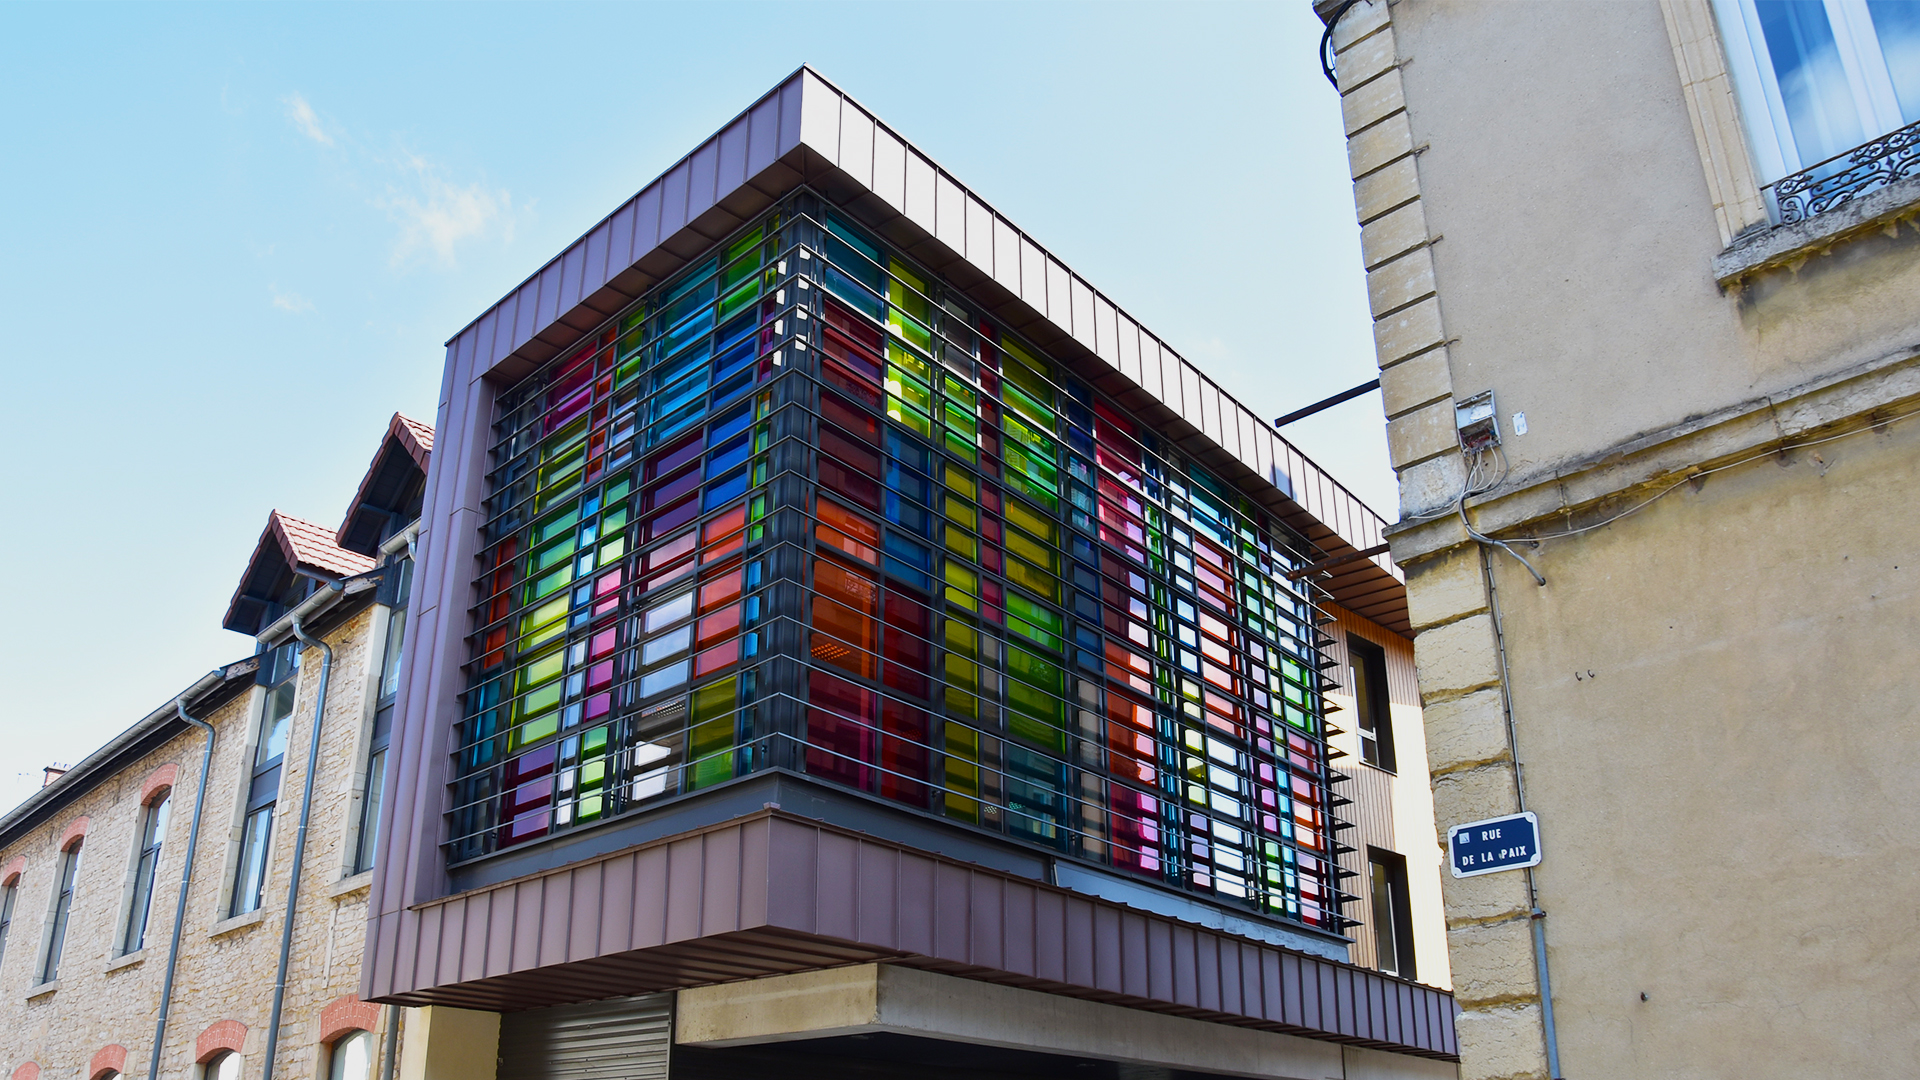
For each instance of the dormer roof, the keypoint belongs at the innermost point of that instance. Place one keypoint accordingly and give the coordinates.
(389, 494)
(288, 547)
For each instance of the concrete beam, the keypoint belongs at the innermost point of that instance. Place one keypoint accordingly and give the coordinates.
(442, 1043)
(870, 998)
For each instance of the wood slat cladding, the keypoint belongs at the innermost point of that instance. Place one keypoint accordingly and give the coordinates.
(1369, 788)
(772, 893)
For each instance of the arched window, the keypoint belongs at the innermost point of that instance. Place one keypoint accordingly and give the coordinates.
(62, 910)
(351, 1057)
(146, 864)
(224, 1067)
(110, 1075)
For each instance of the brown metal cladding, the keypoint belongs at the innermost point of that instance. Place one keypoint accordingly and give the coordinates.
(772, 893)
(803, 130)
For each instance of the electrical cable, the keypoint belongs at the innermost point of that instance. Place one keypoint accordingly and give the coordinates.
(1690, 477)
(1326, 43)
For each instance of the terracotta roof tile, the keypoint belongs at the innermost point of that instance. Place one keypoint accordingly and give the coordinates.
(312, 547)
(422, 433)
(414, 437)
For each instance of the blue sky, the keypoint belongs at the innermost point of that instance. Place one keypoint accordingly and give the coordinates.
(236, 238)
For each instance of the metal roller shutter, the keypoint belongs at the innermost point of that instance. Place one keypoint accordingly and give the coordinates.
(621, 1039)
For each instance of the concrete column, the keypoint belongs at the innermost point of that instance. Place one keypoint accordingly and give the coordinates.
(439, 1043)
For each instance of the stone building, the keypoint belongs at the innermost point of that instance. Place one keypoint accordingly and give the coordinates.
(1645, 281)
(846, 641)
(97, 940)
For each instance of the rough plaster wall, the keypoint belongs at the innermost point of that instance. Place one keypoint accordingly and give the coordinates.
(224, 977)
(1563, 173)
(1727, 802)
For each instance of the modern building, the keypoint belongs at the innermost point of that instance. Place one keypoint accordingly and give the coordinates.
(843, 639)
(1646, 288)
(147, 895)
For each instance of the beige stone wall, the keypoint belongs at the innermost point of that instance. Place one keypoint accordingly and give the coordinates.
(226, 967)
(1711, 694)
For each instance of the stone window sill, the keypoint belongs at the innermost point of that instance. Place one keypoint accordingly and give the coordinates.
(42, 990)
(348, 886)
(238, 923)
(120, 963)
(1782, 244)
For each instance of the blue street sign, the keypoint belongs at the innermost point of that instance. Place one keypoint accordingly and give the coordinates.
(1486, 847)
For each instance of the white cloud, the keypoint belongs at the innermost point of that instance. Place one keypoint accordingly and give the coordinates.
(306, 120)
(289, 301)
(434, 214)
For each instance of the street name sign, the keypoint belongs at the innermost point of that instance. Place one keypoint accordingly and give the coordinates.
(1493, 845)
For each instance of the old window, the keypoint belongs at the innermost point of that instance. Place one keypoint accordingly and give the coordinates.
(153, 830)
(224, 1067)
(8, 894)
(280, 672)
(62, 911)
(1391, 913)
(1817, 80)
(382, 734)
(351, 1057)
(1367, 678)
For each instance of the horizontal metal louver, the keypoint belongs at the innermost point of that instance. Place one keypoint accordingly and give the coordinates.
(622, 1039)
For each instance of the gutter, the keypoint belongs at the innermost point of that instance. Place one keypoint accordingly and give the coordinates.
(206, 682)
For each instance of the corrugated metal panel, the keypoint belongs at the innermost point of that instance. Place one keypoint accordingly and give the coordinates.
(773, 893)
(623, 1039)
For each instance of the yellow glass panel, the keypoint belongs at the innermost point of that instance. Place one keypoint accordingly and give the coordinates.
(1023, 573)
(1030, 520)
(963, 586)
(962, 512)
(962, 481)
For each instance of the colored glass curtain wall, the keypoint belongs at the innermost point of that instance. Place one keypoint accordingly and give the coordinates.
(1005, 601)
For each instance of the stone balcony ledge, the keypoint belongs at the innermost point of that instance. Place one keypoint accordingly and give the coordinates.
(1780, 245)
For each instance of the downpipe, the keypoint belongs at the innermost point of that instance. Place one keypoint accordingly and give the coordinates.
(1539, 920)
(206, 682)
(306, 817)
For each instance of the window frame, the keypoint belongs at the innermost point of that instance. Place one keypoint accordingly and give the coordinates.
(334, 1048)
(66, 885)
(155, 816)
(1373, 706)
(383, 702)
(215, 1066)
(9, 899)
(1771, 142)
(260, 789)
(1387, 870)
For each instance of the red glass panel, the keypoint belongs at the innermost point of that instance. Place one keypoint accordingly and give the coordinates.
(716, 658)
(721, 590)
(905, 646)
(721, 624)
(904, 757)
(840, 729)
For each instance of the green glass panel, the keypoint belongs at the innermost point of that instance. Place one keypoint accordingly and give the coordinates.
(711, 733)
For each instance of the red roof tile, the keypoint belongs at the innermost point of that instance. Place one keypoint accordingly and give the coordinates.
(414, 437)
(312, 547)
(301, 544)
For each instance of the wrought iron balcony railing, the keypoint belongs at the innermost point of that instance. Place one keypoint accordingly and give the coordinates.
(1848, 175)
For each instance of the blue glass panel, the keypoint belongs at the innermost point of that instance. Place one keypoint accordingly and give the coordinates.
(725, 490)
(1813, 85)
(1897, 24)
